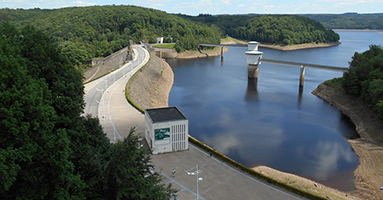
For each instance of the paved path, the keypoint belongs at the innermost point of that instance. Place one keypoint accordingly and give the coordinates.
(95, 89)
(220, 181)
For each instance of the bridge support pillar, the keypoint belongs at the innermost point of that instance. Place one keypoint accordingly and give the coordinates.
(222, 52)
(302, 76)
(252, 71)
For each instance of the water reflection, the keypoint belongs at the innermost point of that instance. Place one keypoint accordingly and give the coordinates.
(252, 91)
(348, 132)
(270, 121)
(300, 95)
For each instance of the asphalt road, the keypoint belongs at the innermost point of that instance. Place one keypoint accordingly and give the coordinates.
(94, 90)
(105, 98)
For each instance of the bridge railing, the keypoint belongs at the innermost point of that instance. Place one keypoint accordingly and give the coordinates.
(305, 64)
(282, 61)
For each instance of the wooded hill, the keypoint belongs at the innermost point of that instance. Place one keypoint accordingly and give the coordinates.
(83, 33)
(349, 20)
(272, 29)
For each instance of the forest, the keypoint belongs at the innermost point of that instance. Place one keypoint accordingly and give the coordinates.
(349, 20)
(364, 79)
(48, 149)
(83, 33)
(271, 29)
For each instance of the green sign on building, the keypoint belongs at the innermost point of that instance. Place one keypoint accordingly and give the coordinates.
(162, 134)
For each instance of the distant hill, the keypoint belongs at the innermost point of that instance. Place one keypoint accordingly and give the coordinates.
(83, 33)
(273, 29)
(349, 20)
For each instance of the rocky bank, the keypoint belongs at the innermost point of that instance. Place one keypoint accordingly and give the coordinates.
(369, 147)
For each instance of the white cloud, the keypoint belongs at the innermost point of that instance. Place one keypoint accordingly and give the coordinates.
(158, 5)
(327, 156)
(82, 3)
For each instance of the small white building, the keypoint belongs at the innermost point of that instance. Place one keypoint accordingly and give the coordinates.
(160, 40)
(166, 130)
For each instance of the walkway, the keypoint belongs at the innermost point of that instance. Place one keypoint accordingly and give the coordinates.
(327, 67)
(220, 181)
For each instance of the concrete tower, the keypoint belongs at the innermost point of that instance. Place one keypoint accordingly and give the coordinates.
(253, 57)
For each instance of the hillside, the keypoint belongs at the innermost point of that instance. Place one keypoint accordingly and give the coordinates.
(272, 29)
(83, 33)
(349, 20)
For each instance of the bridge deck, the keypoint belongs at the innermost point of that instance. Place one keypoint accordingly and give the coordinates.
(223, 45)
(281, 61)
(305, 64)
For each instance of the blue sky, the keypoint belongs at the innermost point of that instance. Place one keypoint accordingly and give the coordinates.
(195, 7)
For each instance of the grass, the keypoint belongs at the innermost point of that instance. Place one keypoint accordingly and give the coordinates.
(165, 45)
(230, 39)
(334, 82)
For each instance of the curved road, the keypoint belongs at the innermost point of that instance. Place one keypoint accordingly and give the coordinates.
(219, 180)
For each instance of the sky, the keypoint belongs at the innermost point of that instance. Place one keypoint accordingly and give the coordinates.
(196, 7)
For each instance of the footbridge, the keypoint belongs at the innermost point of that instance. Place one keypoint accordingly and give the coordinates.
(222, 46)
(255, 57)
(305, 64)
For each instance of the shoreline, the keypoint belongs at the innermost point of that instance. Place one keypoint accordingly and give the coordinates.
(171, 53)
(300, 46)
(374, 30)
(369, 147)
(230, 40)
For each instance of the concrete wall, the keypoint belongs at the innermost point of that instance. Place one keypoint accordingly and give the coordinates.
(114, 60)
(165, 52)
(101, 66)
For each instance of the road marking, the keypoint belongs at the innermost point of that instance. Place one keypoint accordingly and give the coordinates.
(176, 182)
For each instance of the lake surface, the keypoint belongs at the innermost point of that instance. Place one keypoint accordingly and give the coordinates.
(269, 122)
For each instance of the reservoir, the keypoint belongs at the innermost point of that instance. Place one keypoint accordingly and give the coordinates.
(271, 123)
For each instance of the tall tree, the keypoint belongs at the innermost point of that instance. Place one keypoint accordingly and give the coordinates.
(48, 150)
(34, 159)
(365, 77)
(129, 174)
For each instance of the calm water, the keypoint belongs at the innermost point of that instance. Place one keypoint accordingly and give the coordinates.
(270, 122)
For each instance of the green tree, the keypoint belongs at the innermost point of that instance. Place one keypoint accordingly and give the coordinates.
(129, 174)
(87, 32)
(34, 159)
(365, 77)
(48, 150)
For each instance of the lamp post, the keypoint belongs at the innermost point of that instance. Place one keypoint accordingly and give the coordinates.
(196, 172)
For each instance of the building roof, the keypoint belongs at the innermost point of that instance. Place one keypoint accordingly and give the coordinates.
(165, 114)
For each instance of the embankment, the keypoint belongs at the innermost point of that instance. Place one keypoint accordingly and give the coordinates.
(151, 85)
(299, 46)
(230, 40)
(171, 53)
(369, 147)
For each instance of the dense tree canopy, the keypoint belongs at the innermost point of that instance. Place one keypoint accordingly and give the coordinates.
(83, 33)
(273, 29)
(48, 150)
(349, 20)
(365, 77)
